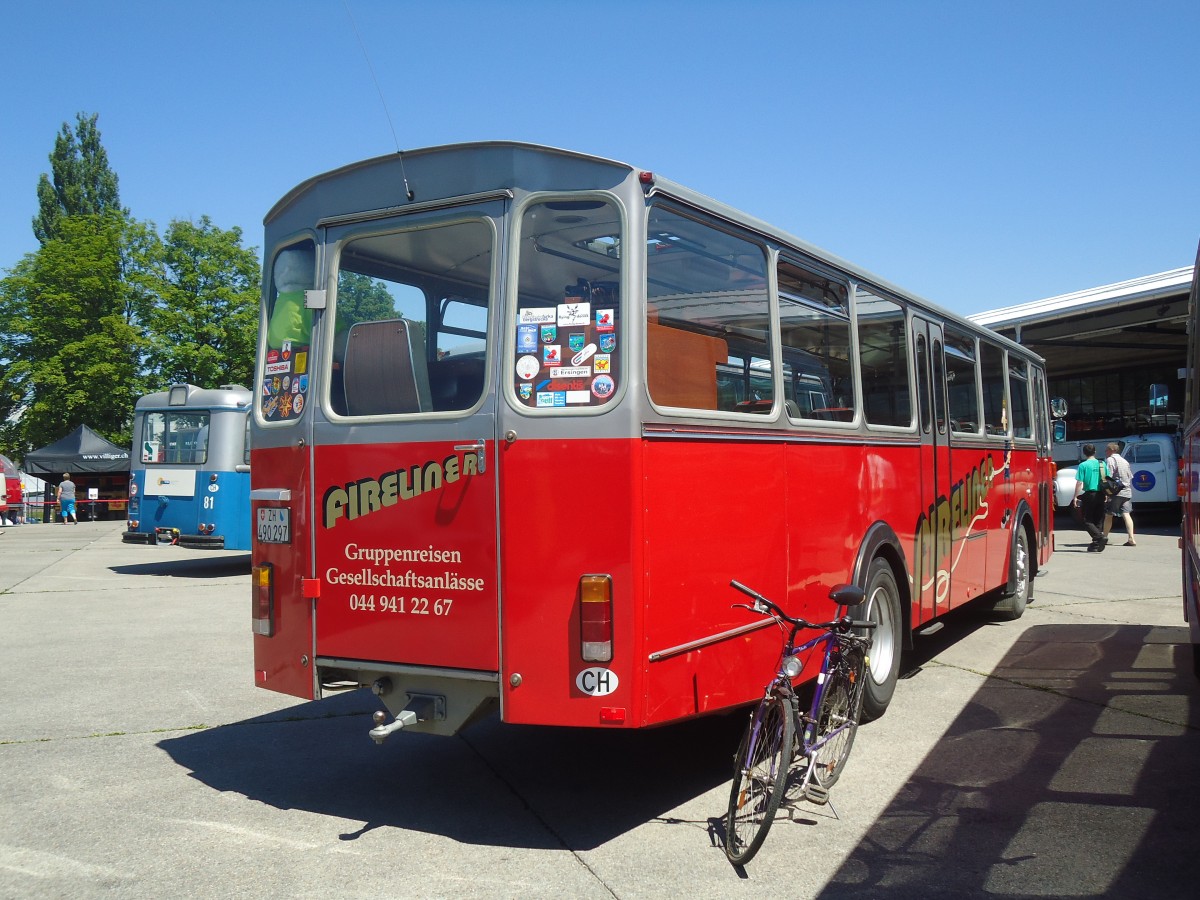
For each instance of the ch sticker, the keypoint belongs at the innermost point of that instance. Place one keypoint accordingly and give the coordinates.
(596, 682)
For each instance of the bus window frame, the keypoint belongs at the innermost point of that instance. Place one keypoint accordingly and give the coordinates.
(770, 254)
(168, 416)
(420, 220)
(906, 311)
(512, 279)
(816, 268)
(1030, 438)
(956, 331)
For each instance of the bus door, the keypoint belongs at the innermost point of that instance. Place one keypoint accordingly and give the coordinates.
(280, 478)
(405, 466)
(933, 540)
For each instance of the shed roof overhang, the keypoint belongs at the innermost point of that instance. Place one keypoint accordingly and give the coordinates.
(1138, 322)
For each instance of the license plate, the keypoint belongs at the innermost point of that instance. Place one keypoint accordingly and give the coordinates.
(274, 526)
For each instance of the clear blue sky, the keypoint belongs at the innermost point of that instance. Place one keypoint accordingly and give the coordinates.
(980, 153)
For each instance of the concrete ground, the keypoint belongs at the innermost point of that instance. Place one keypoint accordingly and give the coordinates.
(1054, 756)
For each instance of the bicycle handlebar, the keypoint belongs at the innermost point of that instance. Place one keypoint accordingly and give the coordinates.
(764, 607)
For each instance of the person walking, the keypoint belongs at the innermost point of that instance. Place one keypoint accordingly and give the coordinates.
(1121, 503)
(1089, 498)
(66, 499)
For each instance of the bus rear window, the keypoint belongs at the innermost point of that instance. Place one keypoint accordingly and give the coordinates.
(410, 332)
(175, 438)
(567, 322)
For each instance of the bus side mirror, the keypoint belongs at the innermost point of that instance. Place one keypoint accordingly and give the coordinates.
(1060, 431)
(1058, 408)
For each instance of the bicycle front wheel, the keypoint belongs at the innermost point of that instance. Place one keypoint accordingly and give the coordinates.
(837, 717)
(759, 776)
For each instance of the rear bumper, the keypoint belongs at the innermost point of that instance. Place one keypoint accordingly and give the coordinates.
(202, 541)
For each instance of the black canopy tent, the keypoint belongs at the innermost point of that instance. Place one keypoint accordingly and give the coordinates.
(92, 461)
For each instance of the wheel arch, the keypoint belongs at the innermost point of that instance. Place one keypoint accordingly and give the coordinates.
(882, 542)
(1023, 521)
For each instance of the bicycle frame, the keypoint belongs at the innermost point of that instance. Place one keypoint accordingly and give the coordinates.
(805, 737)
(778, 731)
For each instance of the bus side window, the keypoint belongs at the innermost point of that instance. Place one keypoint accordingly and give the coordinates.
(1018, 393)
(883, 357)
(708, 318)
(384, 371)
(995, 418)
(962, 379)
(814, 321)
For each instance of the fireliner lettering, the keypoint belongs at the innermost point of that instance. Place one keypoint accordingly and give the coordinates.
(361, 498)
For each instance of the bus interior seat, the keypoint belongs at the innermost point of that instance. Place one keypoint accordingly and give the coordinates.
(384, 371)
(456, 382)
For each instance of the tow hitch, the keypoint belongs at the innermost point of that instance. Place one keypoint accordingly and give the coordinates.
(420, 708)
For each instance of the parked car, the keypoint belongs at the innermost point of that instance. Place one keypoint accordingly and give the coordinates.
(1154, 461)
(1064, 486)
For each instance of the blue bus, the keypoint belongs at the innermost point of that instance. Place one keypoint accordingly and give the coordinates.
(189, 481)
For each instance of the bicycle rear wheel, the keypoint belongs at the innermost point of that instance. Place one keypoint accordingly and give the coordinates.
(838, 715)
(759, 776)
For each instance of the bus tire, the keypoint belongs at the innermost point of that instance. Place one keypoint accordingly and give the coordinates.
(1012, 605)
(883, 608)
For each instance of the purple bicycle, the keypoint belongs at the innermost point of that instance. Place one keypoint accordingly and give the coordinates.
(818, 740)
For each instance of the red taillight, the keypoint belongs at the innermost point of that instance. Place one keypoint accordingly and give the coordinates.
(262, 587)
(595, 618)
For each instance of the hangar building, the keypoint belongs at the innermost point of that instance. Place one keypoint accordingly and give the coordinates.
(1108, 351)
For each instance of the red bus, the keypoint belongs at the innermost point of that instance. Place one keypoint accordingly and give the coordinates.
(1189, 481)
(522, 414)
(12, 498)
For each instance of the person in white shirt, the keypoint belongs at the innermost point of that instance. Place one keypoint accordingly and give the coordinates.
(1120, 503)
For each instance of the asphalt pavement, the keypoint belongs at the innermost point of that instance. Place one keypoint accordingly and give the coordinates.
(1054, 756)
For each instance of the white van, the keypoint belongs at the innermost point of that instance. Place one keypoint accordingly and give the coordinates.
(1154, 460)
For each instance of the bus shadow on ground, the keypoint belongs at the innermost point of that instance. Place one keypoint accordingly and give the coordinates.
(211, 567)
(1072, 772)
(495, 784)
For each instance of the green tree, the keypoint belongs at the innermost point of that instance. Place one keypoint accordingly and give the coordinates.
(70, 331)
(80, 180)
(204, 325)
(361, 298)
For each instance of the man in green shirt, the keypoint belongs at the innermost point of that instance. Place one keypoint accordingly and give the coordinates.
(1089, 498)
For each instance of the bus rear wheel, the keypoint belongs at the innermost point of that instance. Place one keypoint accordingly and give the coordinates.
(882, 607)
(1013, 605)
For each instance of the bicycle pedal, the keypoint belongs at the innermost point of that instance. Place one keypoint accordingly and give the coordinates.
(816, 794)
